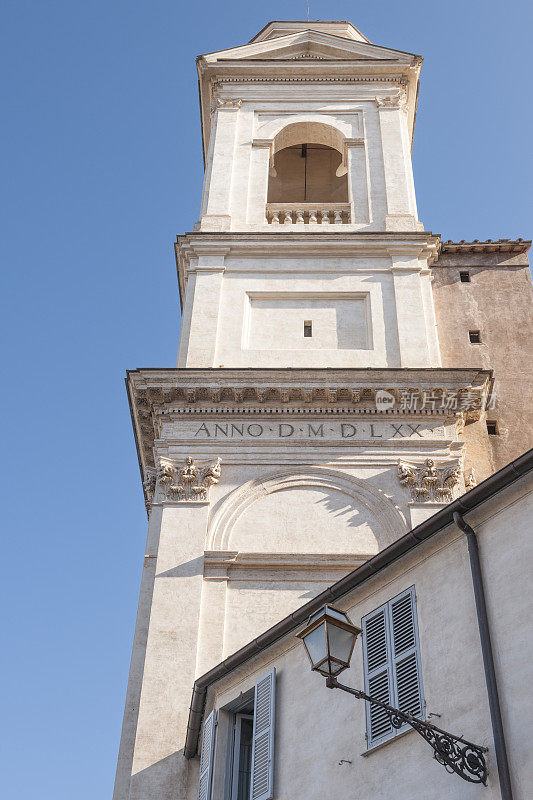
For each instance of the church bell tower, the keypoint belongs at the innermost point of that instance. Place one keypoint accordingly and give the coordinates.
(309, 422)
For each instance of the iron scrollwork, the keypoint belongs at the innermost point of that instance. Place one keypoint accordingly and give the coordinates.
(455, 753)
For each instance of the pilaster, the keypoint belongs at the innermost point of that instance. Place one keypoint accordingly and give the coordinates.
(170, 660)
(410, 310)
(260, 161)
(401, 207)
(357, 163)
(201, 312)
(216, 204)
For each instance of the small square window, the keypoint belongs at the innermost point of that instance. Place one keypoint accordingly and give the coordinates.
(475, 337)
(492, 427)
(308, 328)
(465, 277)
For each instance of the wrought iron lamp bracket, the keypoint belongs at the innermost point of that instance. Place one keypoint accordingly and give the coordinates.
(455, 753)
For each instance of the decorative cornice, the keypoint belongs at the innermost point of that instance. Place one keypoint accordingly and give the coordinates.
(499, 245)
(443, 394)
(394, 79)
(308, 55)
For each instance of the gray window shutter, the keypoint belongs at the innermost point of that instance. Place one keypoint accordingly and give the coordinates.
(406, 653)
(391, 654)
(206, 756)
(378, 674)
(262, 780)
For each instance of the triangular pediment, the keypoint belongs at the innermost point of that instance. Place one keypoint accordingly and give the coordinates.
(277, 28)
(311, 45)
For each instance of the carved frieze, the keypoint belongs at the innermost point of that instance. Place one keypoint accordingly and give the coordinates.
(185, 482)
(427, 482)
(470, 480)
(149, 485)
(232, 102)
(396, 100)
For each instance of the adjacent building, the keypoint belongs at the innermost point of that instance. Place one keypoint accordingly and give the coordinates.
(343, 376)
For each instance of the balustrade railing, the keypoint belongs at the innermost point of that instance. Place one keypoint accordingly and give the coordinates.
(308, 213)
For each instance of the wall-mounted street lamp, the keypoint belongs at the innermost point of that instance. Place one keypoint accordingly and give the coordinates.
(329, 638)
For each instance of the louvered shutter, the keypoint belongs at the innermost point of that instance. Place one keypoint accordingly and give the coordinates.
(405, 653)
(206, 757)
(378, 677)
(262, 779)
(392, 663)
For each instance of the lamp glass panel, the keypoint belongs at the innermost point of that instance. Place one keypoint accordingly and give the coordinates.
(332, 612)
(316, 645)
(316, 615)
(340, 642)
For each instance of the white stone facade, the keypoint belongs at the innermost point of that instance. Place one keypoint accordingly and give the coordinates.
(309, 423)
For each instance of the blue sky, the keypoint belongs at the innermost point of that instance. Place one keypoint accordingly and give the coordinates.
(102, 167)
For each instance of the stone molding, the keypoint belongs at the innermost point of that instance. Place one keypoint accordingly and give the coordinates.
(181, 482)
(312, 242)
(232, 565)
(387, 515)
(429, 483)
(394, 79)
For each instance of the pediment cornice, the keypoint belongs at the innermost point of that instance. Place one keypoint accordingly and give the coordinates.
(306, 57)
(315, 41)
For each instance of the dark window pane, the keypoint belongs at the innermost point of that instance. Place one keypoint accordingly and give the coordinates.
(245, 759)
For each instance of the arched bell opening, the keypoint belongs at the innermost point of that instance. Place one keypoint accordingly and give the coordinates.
(308, 181)
(307, 173)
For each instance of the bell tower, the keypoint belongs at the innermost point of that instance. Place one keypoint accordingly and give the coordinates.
(309, 422)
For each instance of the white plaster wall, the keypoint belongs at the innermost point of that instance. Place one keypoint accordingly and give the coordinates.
(270, 600)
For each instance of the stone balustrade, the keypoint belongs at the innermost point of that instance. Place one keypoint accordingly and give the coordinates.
(308, 213)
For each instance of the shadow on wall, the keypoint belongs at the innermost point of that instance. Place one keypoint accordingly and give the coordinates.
(341, 505)
(165, 778)
(307, 519)
(317, 510)
(186, 570)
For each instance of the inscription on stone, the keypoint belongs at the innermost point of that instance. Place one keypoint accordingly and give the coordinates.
(298, 429)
